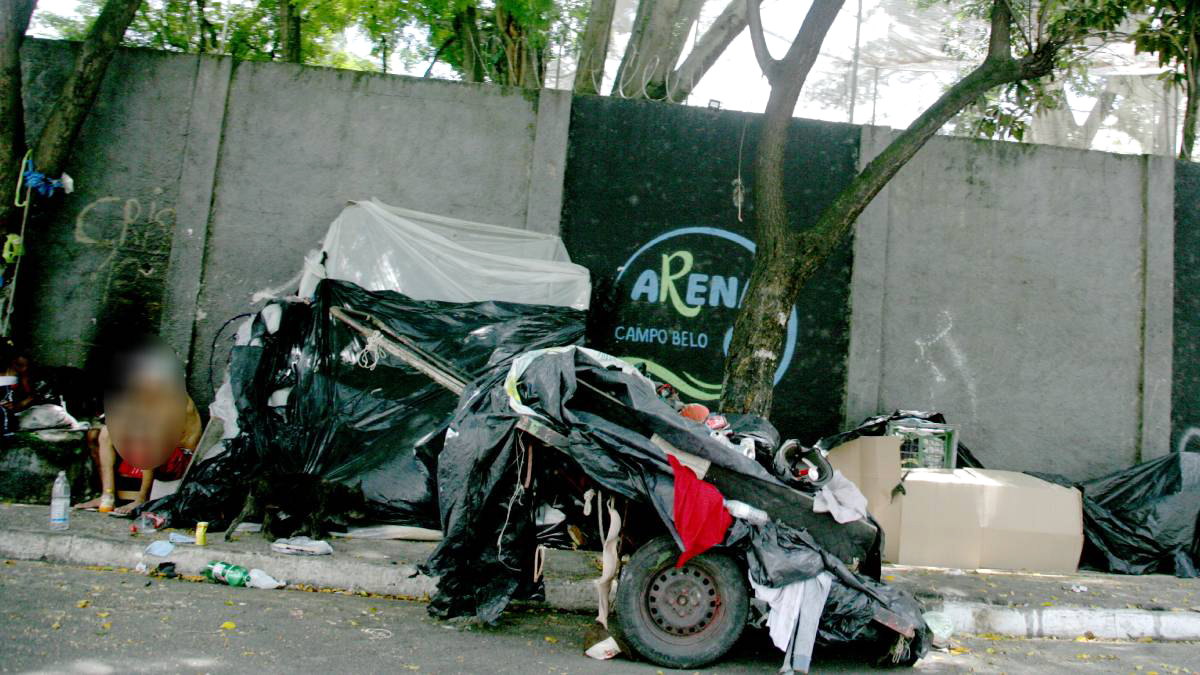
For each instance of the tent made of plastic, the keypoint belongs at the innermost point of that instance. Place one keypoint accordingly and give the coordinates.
(431, 257)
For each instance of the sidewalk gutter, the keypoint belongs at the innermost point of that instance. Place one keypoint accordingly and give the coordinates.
(569, 584)
(327, 571)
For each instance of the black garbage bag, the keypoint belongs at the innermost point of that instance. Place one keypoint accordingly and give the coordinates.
(312, 400)
(877, 426)
(852, 617)
(1142, 520)
(213, 492)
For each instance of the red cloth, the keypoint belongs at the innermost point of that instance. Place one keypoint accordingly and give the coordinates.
(700, 514)
(173, 469)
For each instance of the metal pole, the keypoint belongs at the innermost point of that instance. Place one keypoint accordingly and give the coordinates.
(875, 96)
(854, 67)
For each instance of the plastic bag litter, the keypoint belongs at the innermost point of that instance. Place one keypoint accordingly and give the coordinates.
(301, 546)
(161, 548)
(260, 579)
(1142, 520)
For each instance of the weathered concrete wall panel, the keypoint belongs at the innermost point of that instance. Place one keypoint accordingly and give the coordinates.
(1010, 295)
(97, 259)
(299, 142)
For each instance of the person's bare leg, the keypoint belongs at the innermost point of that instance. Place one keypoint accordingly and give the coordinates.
(106, 460)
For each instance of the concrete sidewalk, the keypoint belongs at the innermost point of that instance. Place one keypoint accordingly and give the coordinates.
(1087, 605)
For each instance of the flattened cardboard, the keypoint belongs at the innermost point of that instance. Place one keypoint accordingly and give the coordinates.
(873, 464)
(976, 518)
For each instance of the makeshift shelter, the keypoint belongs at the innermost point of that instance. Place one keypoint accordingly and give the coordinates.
(430, 257)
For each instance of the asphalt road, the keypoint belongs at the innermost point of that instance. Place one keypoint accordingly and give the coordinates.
(70, 620)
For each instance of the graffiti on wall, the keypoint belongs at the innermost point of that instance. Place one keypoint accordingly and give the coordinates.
(132, 237)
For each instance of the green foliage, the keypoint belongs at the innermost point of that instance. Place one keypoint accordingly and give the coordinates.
(1171, 33)
(1074, 28)
(410, 30)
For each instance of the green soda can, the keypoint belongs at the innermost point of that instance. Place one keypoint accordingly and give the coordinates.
(222, 572)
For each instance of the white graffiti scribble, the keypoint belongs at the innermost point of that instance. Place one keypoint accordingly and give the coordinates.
(957, 360)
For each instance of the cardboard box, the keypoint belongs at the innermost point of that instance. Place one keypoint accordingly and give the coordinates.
(873, 464)
(974, 518)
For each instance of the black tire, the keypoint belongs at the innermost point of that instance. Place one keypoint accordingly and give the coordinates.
(708, 600)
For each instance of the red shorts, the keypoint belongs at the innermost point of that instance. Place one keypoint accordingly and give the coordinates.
(173, 469)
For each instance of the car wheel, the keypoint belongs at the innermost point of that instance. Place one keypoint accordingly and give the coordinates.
(680, 618)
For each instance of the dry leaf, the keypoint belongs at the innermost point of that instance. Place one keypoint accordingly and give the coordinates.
(83, 604)
(551, 639)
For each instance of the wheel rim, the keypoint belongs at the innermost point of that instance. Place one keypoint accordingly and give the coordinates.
(683, 602)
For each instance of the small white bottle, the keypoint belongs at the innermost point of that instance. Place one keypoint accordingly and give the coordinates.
(60, 503)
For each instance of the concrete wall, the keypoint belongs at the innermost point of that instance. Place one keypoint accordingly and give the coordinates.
(97, 259)
(1026, 292)
(232, 172)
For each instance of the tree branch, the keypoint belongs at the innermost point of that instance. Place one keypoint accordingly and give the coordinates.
(80, 89)
(436, 55)
(723, 31)
(765, 61)
(1000, 41)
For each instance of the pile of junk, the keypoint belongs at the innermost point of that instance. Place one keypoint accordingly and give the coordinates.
(431, 373)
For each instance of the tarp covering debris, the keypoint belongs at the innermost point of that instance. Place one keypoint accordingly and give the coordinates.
(313, 400)
(1143, 520)
(431, 257)
(489, 474)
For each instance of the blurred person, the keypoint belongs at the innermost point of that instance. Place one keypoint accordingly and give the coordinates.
(151, 427)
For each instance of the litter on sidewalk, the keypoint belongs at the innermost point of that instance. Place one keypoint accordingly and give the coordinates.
(301, 546)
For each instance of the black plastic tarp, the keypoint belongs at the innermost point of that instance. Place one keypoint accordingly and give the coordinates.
(311, 403)
(1142, 520)
(488, 477)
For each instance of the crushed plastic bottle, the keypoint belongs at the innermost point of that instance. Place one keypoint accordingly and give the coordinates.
(60, 503)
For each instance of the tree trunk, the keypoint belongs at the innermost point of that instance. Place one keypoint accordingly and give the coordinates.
(790, 257)
(79, 91)
(467, 37)
(1189, 111)
(207, 31)
(15, 20)
(659, 32)
(708, 49)
(289, 32)
(593, 51)
(772, 288)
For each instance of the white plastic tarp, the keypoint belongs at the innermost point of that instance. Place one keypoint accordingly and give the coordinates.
(430, 257)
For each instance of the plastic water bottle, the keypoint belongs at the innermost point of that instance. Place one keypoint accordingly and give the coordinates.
(60, 503)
